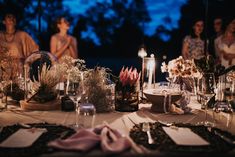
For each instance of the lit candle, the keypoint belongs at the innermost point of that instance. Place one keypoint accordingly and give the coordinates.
(82, 83)
(142, 53)
(150, 67)
(11, 85)
(67, 86)
(25, 82)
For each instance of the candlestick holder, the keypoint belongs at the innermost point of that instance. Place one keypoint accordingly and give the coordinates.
(148, 73)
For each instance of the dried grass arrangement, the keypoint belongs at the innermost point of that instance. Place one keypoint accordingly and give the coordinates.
(96, 84)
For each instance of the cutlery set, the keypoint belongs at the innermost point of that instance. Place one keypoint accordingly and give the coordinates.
(146, 128)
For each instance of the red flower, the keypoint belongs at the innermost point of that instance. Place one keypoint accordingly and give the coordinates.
(129, 76)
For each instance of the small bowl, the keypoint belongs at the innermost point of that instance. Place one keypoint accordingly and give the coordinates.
(156, 97)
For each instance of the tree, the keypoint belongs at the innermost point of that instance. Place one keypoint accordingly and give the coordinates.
(108, 18)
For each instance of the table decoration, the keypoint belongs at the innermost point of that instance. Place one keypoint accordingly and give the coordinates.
(160, 101)
(182, 72)
(127, 90)
(97, 88)
(163, 143)
(45, 96)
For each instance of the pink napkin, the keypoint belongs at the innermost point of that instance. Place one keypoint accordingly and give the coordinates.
(110, 140)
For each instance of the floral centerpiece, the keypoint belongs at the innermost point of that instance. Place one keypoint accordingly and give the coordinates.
(127, 90)
(97, 87)
(181, 71)
(44, 88)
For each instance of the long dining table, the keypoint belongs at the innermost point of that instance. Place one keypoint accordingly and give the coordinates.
(122, 121)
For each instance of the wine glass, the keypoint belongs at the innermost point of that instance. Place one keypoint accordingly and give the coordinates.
(75, 94)
(207, 92)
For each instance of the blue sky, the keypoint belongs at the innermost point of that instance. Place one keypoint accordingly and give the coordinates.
(158, 10)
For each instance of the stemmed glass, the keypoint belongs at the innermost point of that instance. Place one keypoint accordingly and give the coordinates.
(207, 92)
(75, 94)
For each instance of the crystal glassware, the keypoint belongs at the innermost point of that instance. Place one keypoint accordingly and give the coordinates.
(222, 110)
(207, 92)
(87, 113)
(75, 92)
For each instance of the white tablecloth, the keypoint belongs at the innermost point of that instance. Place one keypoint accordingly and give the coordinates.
(118, 120)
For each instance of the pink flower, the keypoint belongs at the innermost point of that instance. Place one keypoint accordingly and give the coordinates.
(129, 76)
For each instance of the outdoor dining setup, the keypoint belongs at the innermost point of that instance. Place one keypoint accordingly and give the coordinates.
(66, 109)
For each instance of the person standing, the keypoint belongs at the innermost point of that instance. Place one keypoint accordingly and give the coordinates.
(19, 45)
(62, 43)
(225, 45)
(193, 44)
(218, 30)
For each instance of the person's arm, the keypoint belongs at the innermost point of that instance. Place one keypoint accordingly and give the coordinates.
(58, 53)
(185, 49)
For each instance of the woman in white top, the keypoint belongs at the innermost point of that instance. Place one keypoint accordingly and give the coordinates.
(225, 46)
(62, 43)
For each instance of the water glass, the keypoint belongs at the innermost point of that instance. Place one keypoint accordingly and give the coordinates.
(86, 114)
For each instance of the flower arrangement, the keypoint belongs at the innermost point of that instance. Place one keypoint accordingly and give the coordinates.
(71, 68)
(129, 76)
(127, 90)
(96, 86)
(180, 67)
(49, 77)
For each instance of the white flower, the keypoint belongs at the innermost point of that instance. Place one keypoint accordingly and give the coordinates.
(180, 67)
(164, 67)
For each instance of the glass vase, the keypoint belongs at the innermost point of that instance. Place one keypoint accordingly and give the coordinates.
(126, 98)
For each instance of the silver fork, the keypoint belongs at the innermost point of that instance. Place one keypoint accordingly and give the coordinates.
(146, 128)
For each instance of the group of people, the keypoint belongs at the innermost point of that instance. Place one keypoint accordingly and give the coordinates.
(221, 45)
(20, 44)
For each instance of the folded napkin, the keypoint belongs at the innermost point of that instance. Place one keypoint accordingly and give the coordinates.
(110, 140)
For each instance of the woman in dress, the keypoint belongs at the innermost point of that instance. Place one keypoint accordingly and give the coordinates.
(193, 44)
(225, 46)
(62, 43)
(19, 45)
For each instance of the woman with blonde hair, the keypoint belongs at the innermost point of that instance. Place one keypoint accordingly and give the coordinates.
(225, 45)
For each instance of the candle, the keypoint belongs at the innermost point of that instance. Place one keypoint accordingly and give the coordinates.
(142, 53)
(25, 82)
(67, 86)
(82, 83)
(150, 67)
(11, 85)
